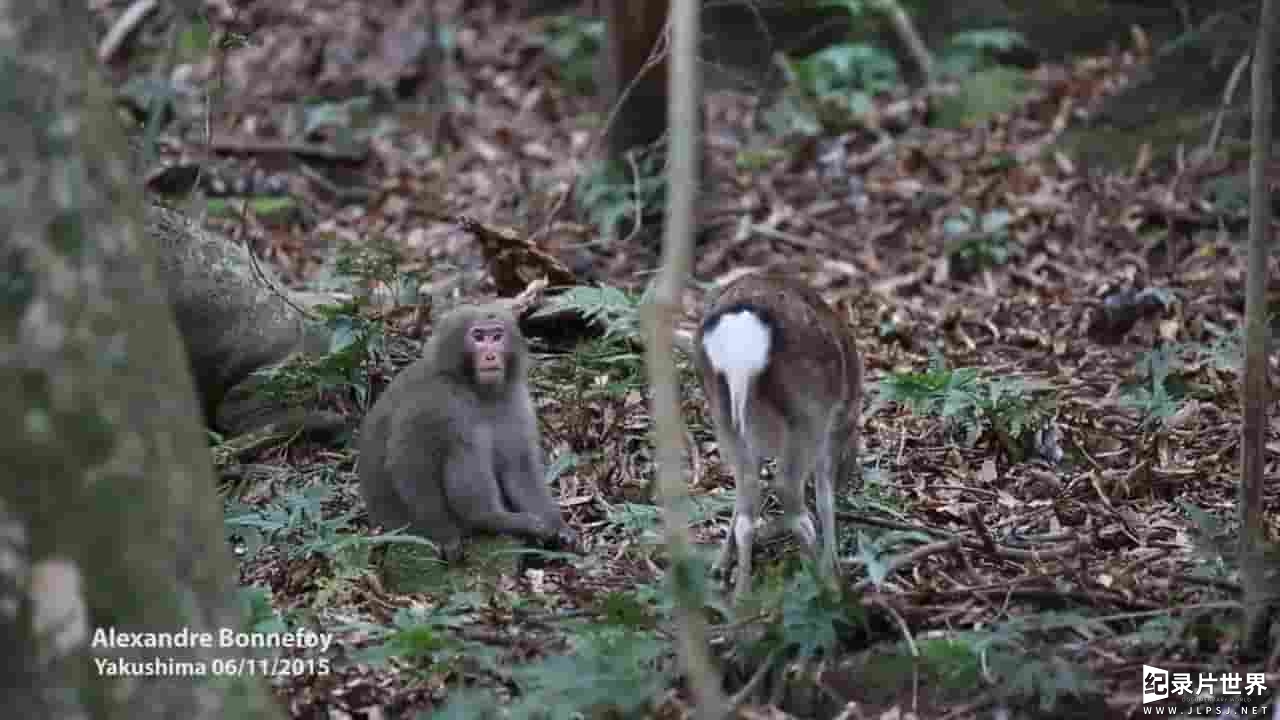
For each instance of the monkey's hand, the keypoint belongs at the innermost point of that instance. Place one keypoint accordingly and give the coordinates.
(451, 551)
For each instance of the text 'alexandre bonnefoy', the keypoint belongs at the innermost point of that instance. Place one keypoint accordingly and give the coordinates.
(226, 638)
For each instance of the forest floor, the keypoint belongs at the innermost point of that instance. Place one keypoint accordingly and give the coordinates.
(1051, 450)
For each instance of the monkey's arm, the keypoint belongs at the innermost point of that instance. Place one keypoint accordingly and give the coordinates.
(522, 471)
(525, 490)
(401, 473)
(475, 499)
(521, 467)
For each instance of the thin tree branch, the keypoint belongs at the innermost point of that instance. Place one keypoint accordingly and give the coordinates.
(1254, 570)
(666, 306)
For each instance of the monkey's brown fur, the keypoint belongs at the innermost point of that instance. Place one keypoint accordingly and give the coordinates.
(448, 456)
(804, 407)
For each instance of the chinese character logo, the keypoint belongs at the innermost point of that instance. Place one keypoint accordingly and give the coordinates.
(1155, 684)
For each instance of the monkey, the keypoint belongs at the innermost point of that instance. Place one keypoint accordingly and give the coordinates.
(782, 376)
(233, 324)
(451, 448)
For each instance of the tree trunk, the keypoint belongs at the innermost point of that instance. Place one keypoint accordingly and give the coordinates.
(636, 78)
(1254, 569)
(108, 519)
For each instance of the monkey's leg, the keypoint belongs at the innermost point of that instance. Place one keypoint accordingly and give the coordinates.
(475, 499)
(415, 499)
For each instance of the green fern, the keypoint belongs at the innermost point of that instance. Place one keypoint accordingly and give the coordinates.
(260, 615)
(972, 50)
(305, 378)
(418, 637)
(811, 618)
(574, 42)
(1159, 394)
(610, 194)
(611, 669)
(1227, 352)
(978, 242)
(378, 261)
(926, 393)
(617, 310)
(831, 88)
(1023, 663)
(639, 522)
(296, 522)
(971, 404)
(610, 673)
(353, 337)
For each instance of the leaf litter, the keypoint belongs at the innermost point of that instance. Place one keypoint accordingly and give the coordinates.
(979, 257)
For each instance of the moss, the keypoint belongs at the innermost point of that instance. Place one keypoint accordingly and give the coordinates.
(416, 568)
(1117, 148)
(17, 287)
(982, 96)
(67, 234)
(1070, 8)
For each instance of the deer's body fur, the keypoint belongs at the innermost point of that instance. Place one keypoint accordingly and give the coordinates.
(783, 378)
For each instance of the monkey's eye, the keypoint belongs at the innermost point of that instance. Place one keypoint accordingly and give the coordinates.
(480, 335)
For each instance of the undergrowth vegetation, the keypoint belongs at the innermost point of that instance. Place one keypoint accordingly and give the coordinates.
(1013, 539)
(1009, 409)
(611, 657)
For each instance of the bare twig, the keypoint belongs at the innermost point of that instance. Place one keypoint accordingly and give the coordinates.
(1228, 95)
(637, 202)
(261, 274)
(753, 683)
(728, 629)
(218, 83)
(441, 67)
(975, 522)
(124, 26)
(911, 645)
(910, 558)
(252, 146)
(655, 57)
(906, 32)
(968, 709)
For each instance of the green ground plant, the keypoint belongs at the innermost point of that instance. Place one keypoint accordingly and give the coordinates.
(973, 405)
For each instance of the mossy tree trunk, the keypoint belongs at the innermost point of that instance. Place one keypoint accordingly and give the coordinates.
(108, 517)
(1256, 571)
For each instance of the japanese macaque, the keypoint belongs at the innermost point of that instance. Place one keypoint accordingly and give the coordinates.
(783, 378)
(233, 323)
(451, 448)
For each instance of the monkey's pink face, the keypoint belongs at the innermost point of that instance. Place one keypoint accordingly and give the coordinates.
(487, 346)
